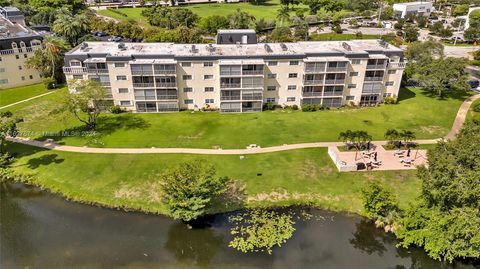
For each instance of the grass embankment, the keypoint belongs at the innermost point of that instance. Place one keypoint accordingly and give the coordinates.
(268, 10)
(131, 181)
(427, 116)
(12, 95)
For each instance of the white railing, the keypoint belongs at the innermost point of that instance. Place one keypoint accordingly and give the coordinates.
(376, 66)
(74, 70)
(397, 65)
(313, 82)
(335, 81)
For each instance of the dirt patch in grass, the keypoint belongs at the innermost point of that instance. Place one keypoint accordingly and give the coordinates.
(283, 195)
(127, 192)
(432, 129)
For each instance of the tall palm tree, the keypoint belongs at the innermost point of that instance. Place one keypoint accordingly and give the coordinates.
(283, 14)
(48, 59)
(407, 136)
(392, 135)
(240, 20)
(71, 27)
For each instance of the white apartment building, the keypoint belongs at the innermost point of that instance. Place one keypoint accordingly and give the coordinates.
(241, 76)
(423, 8)
(17, 44)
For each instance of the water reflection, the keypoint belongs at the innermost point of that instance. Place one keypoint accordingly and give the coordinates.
(39, 230)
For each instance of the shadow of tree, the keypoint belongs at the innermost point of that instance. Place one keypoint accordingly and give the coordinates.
(405, 94)
(44, 160)
(233, 199)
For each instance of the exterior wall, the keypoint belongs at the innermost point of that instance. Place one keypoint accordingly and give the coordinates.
(401, 10)
(10, 73)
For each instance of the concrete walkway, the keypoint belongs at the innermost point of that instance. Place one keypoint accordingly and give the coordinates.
(459, 120)
(28, 99)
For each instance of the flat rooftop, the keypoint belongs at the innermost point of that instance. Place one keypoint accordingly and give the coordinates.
(260, 49)
(13, 30)
(414, 3)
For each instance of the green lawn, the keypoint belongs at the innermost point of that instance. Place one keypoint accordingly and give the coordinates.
(123, 180)
(266, 11)
(427, 116)
(12, 95)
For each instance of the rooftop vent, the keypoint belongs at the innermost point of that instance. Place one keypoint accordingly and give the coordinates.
(122, 46)
(193, 49)
(211, 48)
(383, 43)
(84, 46)
(283, 46)
(346, 46)
(268, 48)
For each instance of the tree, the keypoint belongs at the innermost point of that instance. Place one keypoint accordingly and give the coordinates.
(259, 230)
(188, 190)
(411, 33)
(170, 18)
(407, 136)
(280, 34)
(427, 50)
(460, 10)
(472, 34)
(49, 60)
(71, 28)
(388, 14)
(377, 201)
(301, 30)
(313, 5)
(73, 6)
(421, 21)
(86, 101)
(262, 25)
(241, 20)
(213, 23)
(392, 136)
(283, 14)
(474, 18)
(8, 127)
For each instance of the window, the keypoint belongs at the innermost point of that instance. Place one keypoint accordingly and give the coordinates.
(122, 90)
(30, 77)
(292, 75)
(389, 83)
(188, 89)
(292, 87)
(271, 88)
(352, 86)
(0, 59)
(25, 56)
(388, 94)
(2, 70)
(121, 77)
(207, 76)
(3, 81)
(209, 101)
(350, 98)
(188, 101)
(272, 63)
(293, 62)
(207, 64)
(356, 61)
(187, 77)
(17, 57)
(125, 103)
(14, 45)
(209, 89)
(186, 64)
(270, 100)
(119, 64)
(353, 74)
(75, 63)
(22, 44)
(20, 67)
(392, 72)
(290, 99)
(23, 78)
(35, 42)
(77, 76)
(271, 76)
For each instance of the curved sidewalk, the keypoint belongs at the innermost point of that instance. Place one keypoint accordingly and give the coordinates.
(459, 120)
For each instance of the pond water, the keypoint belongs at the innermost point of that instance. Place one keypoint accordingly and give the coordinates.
(42, 230)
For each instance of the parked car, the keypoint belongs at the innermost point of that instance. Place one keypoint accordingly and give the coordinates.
(115, 39)
(101, 34)
(474, 83)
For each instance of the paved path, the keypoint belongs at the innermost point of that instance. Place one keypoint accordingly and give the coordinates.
(26, 100)
(459, 120)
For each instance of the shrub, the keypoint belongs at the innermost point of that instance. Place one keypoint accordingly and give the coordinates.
(295, 107)
(269, 106)
(116, 109)
(313, 107)
(476, 108)
(390, 100)
(378, 201)
(50, 83)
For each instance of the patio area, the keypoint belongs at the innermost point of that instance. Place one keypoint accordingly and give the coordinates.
(377, 158)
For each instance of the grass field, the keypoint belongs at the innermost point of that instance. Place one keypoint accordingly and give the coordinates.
(285, 178)
(266, 11)
(427, 116)
(12, 95)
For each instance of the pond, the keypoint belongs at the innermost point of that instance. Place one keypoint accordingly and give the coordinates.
(42, 230)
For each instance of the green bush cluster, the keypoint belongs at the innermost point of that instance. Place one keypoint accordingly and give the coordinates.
(476, 108)
(269, 106)
(390, 100)
(311, 108)
(116, 109)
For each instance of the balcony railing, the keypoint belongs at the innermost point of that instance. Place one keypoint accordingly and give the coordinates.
(230, 73)
(166, 84)
(335, 81)
(252, 86)
(337, 69)
(332, 93)
(373, 78)
(230, 110)
(397, 65)
(164, 72)
(74, 70)
(97, 71)
(311, 94)
(230, 98)
(230, 85)
(250, 97)
(251, 109)
(143, 85)
(315, 70)
(19, 50)
(105, 84)
(313, 82)
(142, 73)
(252, 72)
(167, 97)
(376, 66)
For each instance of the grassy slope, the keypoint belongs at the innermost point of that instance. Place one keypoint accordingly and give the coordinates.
(308, 176)
(12, 95)
(266, 11)
(427, 116)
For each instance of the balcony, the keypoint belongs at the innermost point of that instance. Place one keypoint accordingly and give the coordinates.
(312, 94)
(142, 73)
(167, 97)
(335, 93)
(97, 71)
(252, 97)
(143, 85)
(335, 81)
(226, 73)
(400, 65)
(315, 70)
(230, 85)
(252, 86)
(373, 78)
(166, 84)
(252, 72)
(337, 69)
(230, 98)
(74, 70)
(376, 66)
(313, 82)
(165, 72)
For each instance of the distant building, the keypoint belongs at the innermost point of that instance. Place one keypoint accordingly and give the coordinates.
(17, 44)
(416, 8)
